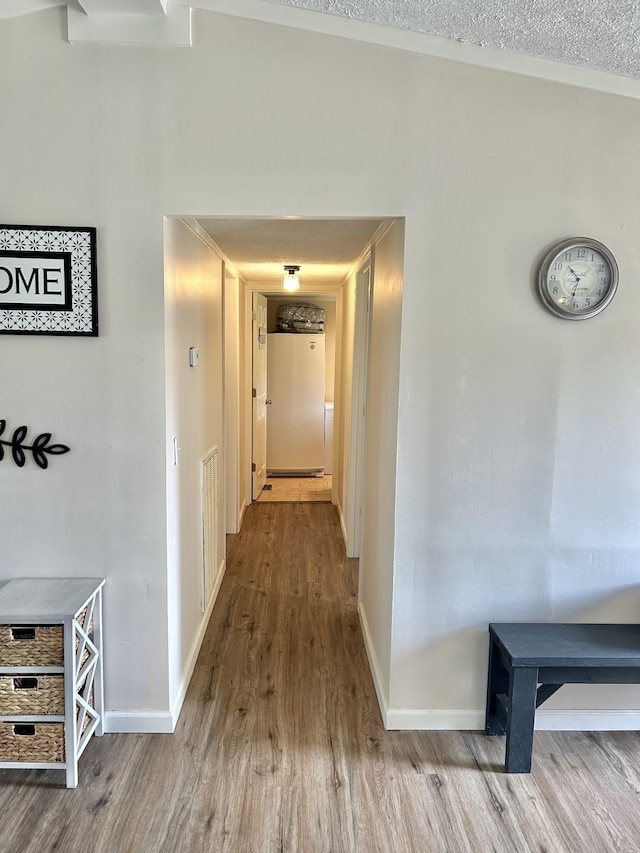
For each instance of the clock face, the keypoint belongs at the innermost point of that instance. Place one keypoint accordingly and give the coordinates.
(578, 278)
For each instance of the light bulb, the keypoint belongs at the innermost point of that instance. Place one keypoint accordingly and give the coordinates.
(291, 282)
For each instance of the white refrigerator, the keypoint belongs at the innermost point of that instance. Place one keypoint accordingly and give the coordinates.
(295, 393)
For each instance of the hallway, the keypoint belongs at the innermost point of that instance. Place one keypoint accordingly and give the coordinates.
(280, 745)
(297, 489)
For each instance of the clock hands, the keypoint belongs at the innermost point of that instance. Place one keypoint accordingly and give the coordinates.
(578, 278)
(577, 281)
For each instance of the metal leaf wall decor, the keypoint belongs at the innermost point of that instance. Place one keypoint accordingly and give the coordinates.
(39, 448)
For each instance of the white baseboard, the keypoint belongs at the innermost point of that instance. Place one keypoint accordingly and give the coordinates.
(374, 664)
(396, 719)
(194, 651)
(345, 535)
(243, 509)
(164, 722)
(424, 720)
(587, 721)
(145, 722)
(417, 719)
(343, 524)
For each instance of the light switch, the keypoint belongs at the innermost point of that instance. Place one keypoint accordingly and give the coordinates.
(194, 356)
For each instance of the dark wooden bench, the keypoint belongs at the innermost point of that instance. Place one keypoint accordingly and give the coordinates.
(529, 662)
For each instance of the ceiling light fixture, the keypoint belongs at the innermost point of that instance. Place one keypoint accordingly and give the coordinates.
(291, 279)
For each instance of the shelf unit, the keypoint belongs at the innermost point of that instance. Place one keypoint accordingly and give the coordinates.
(50, 628)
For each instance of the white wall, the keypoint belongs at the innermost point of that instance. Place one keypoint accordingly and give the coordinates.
(194, 395)
(518, 462)
(377, 554)
(519, 469)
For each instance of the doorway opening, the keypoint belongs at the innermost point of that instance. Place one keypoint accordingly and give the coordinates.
(300, 380)
(331, 254)
(213, 268)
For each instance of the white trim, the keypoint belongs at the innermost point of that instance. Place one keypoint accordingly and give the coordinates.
(356, 484)
(436, 46)
(374, 665)
(343, 526)
(194, 651)
(366, 253)
(145, 722)
(419, 719)
(243, 509)
(194, 226)
(587, 721)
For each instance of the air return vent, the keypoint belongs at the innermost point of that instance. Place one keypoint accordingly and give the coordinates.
(210, 480)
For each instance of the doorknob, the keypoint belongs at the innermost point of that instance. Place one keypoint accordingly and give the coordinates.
(268, 402)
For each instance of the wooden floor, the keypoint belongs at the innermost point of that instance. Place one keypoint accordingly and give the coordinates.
(280, 745)
(297, 489)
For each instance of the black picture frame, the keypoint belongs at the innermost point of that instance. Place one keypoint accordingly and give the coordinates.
(48, 280)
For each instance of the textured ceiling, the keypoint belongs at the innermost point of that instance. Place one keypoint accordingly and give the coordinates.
(599, 34)
(596, 34)
(325, 249)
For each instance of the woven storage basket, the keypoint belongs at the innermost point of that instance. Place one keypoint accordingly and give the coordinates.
(31, 645)
(81, 618)
(87, 719)
(32, 742)
(27, 694)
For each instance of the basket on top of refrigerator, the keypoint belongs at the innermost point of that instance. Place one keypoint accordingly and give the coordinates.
(301, 317)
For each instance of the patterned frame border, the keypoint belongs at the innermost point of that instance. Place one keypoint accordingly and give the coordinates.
(79, 247)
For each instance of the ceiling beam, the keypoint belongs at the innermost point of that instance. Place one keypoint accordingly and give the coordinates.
(170, 27)
(124, 7)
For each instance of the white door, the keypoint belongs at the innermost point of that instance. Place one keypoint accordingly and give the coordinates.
(259, 464)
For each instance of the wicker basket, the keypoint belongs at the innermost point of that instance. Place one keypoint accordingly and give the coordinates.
(31, 694)
(87, 718)
(32, 742)
(81, 618)
(31, 645)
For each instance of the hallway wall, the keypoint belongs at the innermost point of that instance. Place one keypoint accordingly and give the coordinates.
(343, 413)
(379, 512)
(516, 486)
(193, 318)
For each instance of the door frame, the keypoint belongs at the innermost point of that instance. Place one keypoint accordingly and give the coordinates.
(359, 395)
(268, 289)
(258, 395)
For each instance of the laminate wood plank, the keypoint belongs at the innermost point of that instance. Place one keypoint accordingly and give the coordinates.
(280, 745)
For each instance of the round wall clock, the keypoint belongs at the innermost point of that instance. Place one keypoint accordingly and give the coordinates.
(578, 278)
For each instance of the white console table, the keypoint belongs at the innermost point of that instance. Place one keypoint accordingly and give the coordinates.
(51, 681)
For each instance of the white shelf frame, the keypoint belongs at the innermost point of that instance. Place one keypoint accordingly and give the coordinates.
(60, 602)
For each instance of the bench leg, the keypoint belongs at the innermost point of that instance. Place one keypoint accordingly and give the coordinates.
(497, 684)
(520, 720)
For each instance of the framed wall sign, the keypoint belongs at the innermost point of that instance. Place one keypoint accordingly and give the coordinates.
(48, 280)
